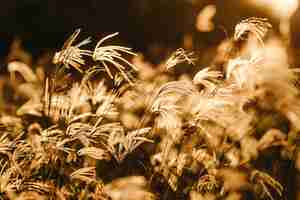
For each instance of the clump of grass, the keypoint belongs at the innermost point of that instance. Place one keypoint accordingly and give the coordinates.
(193, 135)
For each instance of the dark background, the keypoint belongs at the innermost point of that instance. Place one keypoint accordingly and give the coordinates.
(43, 24)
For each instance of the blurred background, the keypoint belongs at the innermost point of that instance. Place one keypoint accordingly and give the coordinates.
(146, 25)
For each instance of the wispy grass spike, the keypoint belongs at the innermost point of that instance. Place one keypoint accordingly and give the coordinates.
(112, 55)
(255, 25)
(71, 55)
(178, 57)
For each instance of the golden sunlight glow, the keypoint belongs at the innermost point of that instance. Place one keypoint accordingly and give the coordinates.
(278, 8)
